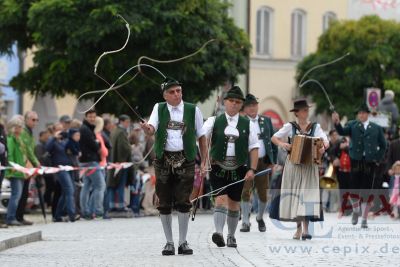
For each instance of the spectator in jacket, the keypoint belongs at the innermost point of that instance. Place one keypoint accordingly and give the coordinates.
(44, 159)
(74, 152)
(16, 155)
(31, 120)
(106, 133)
(136, 187)
(342, 163)
(56, 147)
(53, 129)
(72, 147)
(334, 143)
(121, 153)
(93, 178)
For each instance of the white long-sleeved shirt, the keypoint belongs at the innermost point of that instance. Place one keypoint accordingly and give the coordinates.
(232, 122)
(287, 131)
(261, 150)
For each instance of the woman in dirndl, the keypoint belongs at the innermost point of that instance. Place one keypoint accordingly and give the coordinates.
(300, 199)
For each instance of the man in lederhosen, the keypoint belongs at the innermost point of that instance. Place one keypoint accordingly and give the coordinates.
(367, 148)
(233, 140)
(176, 125)
(266, 158)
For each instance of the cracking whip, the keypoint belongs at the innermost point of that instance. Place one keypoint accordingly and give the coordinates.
(301, 83)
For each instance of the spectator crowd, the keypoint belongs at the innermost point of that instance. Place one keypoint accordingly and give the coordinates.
(91, 190)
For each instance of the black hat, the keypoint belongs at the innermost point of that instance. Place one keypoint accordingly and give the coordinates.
(250, 99)
(363, 107)
(299, 104)
(169, 82)
(235, 92)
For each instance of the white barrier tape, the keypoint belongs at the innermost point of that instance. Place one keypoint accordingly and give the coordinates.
(50, 170)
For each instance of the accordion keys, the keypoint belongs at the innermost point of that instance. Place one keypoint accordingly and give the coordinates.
(305, 150)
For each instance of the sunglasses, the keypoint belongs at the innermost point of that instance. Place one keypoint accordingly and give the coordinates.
(236, 101)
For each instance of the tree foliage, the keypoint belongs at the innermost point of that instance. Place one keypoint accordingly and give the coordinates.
(69, 35)
(374, 46)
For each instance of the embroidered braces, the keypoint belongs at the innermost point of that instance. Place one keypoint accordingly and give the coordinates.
(175, 125)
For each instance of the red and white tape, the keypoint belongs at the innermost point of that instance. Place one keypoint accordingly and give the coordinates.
(51, 170)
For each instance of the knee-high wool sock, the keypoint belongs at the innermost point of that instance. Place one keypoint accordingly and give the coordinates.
(261, 209)
(232, 221)
(219, 219)
(183, 219)
(166, 220)
(246, 208)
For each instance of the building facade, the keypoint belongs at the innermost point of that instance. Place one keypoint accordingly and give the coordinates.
(282, 34)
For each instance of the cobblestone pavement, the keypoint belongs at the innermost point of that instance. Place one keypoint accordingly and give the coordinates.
(138, 242)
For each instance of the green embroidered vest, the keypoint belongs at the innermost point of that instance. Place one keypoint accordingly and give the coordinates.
(219, 142)
(189, 131)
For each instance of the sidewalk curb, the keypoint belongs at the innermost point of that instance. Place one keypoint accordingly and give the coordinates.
(20, 240)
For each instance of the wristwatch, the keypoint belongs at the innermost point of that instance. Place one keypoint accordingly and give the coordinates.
(254, 170)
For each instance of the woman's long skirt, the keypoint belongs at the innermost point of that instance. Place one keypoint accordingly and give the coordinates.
(300, 193)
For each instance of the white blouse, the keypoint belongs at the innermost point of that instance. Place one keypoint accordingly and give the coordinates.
(287, 131)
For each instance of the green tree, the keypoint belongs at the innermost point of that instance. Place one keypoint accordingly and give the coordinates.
(374, 46)
(69, 35)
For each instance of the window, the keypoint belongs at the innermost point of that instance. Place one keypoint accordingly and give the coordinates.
(298, 34)
(264, 31)
(327, 19)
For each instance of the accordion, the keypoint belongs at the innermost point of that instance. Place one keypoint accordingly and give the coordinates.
(305, 150)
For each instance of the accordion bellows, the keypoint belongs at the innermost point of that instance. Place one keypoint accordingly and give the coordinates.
(305, 150)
